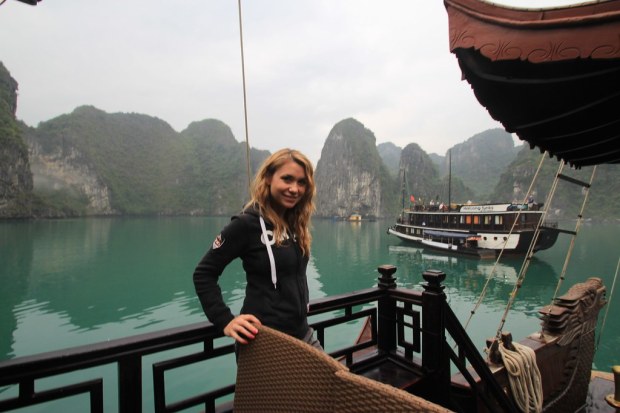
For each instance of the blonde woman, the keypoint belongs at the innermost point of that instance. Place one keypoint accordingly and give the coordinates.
(271, 236)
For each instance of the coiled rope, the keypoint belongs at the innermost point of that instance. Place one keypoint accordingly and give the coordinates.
(524, 377)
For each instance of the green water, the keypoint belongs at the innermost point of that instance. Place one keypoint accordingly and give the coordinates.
(72, 282)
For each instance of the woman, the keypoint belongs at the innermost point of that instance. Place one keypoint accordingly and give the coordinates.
(277, 289)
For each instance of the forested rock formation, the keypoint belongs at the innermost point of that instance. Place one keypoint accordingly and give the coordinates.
(90, 162)
(132, 164)
(603, 197)
(350, 176)
(15, 175)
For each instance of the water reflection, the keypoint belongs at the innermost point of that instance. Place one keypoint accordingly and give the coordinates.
(81, 281)
(72, 282)
(468, 275)
(15, 263)
(347, 254)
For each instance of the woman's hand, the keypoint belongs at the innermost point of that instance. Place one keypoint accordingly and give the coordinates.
(242, 327)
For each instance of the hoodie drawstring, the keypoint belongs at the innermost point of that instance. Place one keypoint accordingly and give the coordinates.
(272, 262)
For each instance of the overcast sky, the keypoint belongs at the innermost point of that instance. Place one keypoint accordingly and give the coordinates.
(308, 64)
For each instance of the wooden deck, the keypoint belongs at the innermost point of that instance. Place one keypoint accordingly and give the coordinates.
(601, 384)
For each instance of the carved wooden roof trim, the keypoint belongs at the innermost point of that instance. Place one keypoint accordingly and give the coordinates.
(589, 30)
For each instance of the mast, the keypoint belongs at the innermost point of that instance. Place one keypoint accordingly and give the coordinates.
(402, 184)
(449, 179)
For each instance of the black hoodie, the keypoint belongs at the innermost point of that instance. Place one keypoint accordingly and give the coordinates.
(283, 307)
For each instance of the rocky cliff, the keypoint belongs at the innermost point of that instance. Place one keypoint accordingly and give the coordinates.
(90, 162)
(350, 176)
(519, 175)
(63, 170)
(215, 169)
(421, 178)
(390, 154)
(15, 176)
(481, 159)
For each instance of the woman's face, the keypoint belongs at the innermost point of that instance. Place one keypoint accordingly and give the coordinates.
(287, 186)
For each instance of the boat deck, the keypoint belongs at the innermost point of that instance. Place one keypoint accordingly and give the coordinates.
(601, 384)
(400, 376)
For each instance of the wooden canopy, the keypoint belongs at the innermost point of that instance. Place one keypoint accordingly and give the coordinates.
(552, 76)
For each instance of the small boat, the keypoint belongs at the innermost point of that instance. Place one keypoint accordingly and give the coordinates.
(354, 218)
(479, 230)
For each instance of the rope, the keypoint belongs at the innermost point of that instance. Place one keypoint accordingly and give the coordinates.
(245, 103)
(524, 377)
(499, 256)
(530, 251)
(613, 287)
(571, 246)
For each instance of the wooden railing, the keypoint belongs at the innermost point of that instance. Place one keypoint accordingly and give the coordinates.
(405, 325)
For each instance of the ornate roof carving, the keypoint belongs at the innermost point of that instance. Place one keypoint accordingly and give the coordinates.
(589, 30)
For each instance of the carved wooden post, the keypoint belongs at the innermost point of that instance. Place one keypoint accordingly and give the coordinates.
(435, 360)
(130, 384)
(614, 399)
(387, 310)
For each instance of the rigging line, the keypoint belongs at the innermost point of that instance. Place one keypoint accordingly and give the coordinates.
(525, 198)
(245, 102)
(571, 246)
(499, 256)
(613, 287)
(530, 251)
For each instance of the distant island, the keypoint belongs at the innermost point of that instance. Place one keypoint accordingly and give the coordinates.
(93, 163)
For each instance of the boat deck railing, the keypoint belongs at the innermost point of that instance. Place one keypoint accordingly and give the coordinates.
(406, 345)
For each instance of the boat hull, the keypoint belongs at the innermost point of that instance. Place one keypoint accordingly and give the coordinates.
(488, 243)
(442, 246)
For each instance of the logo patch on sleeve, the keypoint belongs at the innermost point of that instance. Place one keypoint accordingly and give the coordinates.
(218, 242)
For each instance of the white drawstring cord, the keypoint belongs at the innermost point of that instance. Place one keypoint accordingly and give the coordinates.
(272, 262)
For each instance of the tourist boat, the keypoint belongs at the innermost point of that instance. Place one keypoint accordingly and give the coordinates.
(354, 218)
(414, 342)
(479, 230)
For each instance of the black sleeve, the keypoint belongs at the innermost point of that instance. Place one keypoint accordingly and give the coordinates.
(227, 246)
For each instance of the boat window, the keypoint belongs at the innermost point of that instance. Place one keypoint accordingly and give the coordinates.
(468, 219)
(499, 220)
(488, 219)
(476, 219)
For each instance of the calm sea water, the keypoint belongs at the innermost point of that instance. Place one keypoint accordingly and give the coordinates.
(72, 282)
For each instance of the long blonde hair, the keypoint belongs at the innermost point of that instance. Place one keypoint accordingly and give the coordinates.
(297, 219)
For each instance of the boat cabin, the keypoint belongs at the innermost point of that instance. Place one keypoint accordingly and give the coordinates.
(496, 217)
